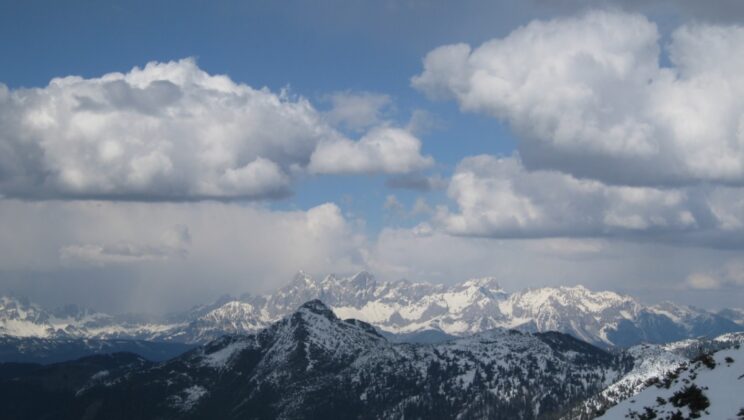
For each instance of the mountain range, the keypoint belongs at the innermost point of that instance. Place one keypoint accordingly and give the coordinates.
(313, 365)
(400, 310)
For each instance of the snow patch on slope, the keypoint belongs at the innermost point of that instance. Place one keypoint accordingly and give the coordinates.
(722, 385)
(220, 358)
(188, 398)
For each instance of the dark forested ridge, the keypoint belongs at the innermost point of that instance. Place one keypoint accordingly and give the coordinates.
(312, 364)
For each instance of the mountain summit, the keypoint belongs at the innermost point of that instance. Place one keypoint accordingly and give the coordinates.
(313, 365)
(405, 308)
(402, 308)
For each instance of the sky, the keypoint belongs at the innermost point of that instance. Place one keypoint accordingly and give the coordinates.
(158, 155)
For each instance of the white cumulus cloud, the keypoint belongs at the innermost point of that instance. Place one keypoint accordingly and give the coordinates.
(171, 131)
(588, 96)
(498, 197)
(357, 110)
(383, 150)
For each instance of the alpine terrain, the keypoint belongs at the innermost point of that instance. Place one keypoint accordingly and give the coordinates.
(710, 386)
(311, 364)
(402, 310)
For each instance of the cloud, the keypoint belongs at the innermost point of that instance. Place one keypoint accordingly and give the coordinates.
(568, 247)
(121, 253)
(713, 10)
(422, 122)
(420, 206)
(418, 209)
(155, 255)
(357, 110)
(172, 132)
(126, 256)
(702, 282)
(650, 271)
(587, 96)
(392, 204)
(382, 150)
(417, 182)
(166, 131)
(734, 272)
(498, 197)
(173, 243)
(731, 274)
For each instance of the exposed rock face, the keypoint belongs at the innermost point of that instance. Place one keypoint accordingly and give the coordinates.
(311, 364)
(402, 308)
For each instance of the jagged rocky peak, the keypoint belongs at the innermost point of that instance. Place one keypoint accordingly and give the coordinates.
(11, 303)
(20, 308)
(676, 311)
(303, 279)
(490, 283)
(364, 326)
(402, 307)
(587, 300)
(308, 365)
(488, 286)
(736, 315)
(329, 280)
(360, 280)
(363, 279)
(317, 307)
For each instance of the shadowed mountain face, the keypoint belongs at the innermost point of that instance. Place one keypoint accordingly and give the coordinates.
(312, 364)
(414, 312)
(31, 391)
(53, 350)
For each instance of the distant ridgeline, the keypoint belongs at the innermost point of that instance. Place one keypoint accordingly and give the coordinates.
(313, 365)
(401, 310)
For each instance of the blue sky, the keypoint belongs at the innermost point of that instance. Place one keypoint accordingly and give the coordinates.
(314, 49)
(313, 52)
(557, 141)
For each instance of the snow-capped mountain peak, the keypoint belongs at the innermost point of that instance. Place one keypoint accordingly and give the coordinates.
(734, 314)
(21, 318)
(316, 307)
(362, 280)
(400, 307)
(303, 278)
(489, 286)
(311, 364)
